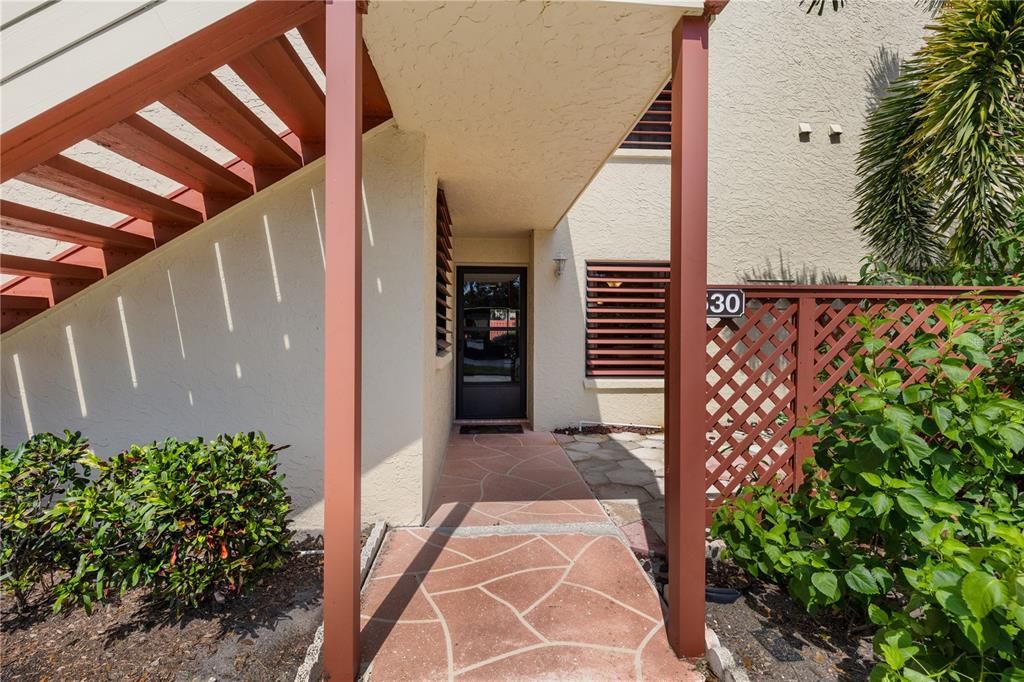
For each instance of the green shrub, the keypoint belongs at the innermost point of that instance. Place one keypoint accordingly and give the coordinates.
(32, 476)
(911, 510)
(192, 520)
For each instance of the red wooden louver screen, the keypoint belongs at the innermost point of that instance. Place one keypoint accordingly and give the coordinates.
(445, 320)
(654, 129)
(781, 362)
(626, 318)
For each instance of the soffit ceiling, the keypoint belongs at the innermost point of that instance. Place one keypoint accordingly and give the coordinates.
(520, 102)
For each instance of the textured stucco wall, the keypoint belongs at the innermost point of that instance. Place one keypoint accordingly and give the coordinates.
(438, 371)
(246, 292)
(619, 216)
(772, 67)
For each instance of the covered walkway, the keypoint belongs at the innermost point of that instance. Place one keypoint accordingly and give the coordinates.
(520, 575)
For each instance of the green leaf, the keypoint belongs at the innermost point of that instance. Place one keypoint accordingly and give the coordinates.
(877, 615)
(1013, 435)
(942, 416)
(871, 478)
(826, 584)
(915, 447)
(955, 370)
(982, 592)
(884, 438)
(840, 525)
(910, 506)
(915, 393)
(881, 503)
(871, 403)
(969, 340)
(859, 579)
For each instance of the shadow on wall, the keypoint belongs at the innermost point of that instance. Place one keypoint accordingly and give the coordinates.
(220, 332)
(885, 68)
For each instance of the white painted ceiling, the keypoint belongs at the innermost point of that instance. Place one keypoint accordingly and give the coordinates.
(521, 102)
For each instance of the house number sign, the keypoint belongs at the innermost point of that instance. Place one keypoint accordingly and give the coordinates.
(726, 303)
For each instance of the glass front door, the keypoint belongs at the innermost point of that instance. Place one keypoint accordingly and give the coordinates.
(491, 372)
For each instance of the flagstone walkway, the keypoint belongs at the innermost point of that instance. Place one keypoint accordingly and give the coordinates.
(519, 576)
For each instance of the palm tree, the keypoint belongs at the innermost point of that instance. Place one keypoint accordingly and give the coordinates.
(941, 163)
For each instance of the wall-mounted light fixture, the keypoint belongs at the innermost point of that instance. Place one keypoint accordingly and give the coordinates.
(559, 262)
(804, 130)
(834, 131)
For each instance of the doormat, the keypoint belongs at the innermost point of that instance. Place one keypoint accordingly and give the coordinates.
(491, 428)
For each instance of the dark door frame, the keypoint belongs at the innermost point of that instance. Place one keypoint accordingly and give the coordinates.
(460, 273)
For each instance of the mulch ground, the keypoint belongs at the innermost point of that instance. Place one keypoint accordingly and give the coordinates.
(771, 635)
(259, 637)
(774, 638)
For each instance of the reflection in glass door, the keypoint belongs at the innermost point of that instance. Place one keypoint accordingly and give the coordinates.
(491, 371)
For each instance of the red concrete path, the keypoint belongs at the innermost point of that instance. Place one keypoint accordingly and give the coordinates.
(525, 602)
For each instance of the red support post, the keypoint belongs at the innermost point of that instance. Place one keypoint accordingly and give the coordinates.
(805, 315)
(343, 223)
(687, 328)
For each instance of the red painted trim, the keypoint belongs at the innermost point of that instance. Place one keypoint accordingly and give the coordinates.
(37, 267)
(275, 72)
(343, 224)
(212, 108)
(685, 371)
(27, 220)
(151, 146)
(67, 176)
(123, 94)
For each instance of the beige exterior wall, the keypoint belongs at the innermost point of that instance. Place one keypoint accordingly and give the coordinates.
(222, 330)
(772, 67)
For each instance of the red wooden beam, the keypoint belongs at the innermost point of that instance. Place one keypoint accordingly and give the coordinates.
(314, 34)
(342, 342)
(149, 145)
(33, 304)
(16, 309)
(275, 72)
(685, 372)
(48, 269)
(75, 179)
(210, 106)
(376, 107)
(27, 220)
(123, 94)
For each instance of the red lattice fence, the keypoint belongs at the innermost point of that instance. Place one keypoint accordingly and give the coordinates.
(778, 363)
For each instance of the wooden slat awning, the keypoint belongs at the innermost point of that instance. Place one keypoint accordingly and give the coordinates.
(251, 41)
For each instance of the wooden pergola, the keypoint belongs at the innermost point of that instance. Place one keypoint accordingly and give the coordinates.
(686, 330)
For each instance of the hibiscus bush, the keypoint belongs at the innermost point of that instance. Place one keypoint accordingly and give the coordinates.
(911, 510)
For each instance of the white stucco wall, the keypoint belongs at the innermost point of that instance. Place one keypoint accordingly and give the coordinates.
(772, 66)
(222, 331)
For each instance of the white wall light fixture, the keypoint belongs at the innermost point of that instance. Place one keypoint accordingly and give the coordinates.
(559, 262)
(835, 130)
(804, 131)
